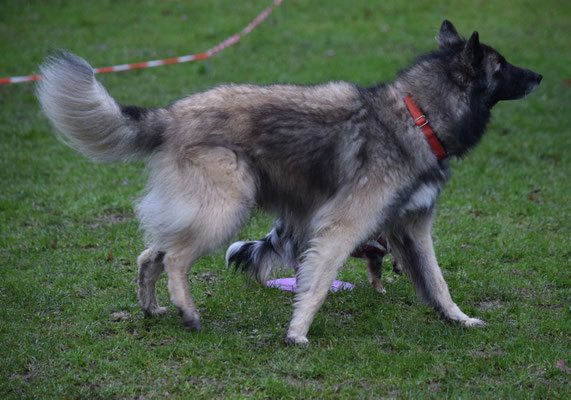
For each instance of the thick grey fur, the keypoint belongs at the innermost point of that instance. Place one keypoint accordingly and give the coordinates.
(337, 163)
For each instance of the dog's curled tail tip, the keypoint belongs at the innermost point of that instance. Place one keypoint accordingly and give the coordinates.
(88, 119)
(64, 61)
(62, 73)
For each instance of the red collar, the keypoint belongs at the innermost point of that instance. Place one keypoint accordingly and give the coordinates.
(422, 122)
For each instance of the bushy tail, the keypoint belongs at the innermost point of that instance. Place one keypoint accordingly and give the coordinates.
(257, 258)
(90, 120)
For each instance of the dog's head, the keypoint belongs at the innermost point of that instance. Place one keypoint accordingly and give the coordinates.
(483, 68)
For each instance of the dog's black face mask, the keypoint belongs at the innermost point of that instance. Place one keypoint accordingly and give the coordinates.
(484, 69)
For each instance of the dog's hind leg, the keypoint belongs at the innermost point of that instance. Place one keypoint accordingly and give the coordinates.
(212, 227)
(150, 267)
(194, 205)
(176, 267)
(411, 244)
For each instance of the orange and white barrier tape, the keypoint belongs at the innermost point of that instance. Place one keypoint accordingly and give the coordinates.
(177, 60)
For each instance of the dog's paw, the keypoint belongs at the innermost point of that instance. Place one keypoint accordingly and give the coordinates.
(381, 290)
(474, 322)
(296, 340)
(191, 322)
(155, 311)
(160, 311)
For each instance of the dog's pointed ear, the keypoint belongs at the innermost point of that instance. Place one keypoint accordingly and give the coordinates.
(448, 35)
(473, 51)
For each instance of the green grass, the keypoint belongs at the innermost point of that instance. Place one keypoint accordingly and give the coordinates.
(70, 326)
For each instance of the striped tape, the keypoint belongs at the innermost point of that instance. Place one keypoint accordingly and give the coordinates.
(177, 60)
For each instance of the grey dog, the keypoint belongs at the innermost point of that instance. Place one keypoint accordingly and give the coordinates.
(337, 163)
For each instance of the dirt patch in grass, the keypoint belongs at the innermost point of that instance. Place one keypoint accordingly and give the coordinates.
(489, 305)
(487, 354)
(111, 219)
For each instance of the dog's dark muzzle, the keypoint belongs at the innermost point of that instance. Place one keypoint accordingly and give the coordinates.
(517, 83)
(533, 79)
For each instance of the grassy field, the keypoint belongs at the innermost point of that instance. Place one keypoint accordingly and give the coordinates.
(70, 326)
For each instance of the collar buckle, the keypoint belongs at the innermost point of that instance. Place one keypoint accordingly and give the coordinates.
(419, 123)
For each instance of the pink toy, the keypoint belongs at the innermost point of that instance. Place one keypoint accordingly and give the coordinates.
(289, 284)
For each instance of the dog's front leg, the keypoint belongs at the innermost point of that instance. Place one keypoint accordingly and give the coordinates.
(314, 278)
(411, 244)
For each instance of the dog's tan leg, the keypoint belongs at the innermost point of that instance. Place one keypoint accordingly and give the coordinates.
(412, 246)
(150, 267)
(176, 267)
(314, 278)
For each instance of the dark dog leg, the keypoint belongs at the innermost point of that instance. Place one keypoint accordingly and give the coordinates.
(411, 244)
(373, 252)
(375, 269)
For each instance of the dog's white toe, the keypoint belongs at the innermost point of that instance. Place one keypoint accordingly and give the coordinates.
(474, 322)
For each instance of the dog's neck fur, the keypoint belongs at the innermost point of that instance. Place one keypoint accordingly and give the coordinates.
(456, 114)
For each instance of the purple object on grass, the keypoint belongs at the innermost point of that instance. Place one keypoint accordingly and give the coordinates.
(289, 284)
